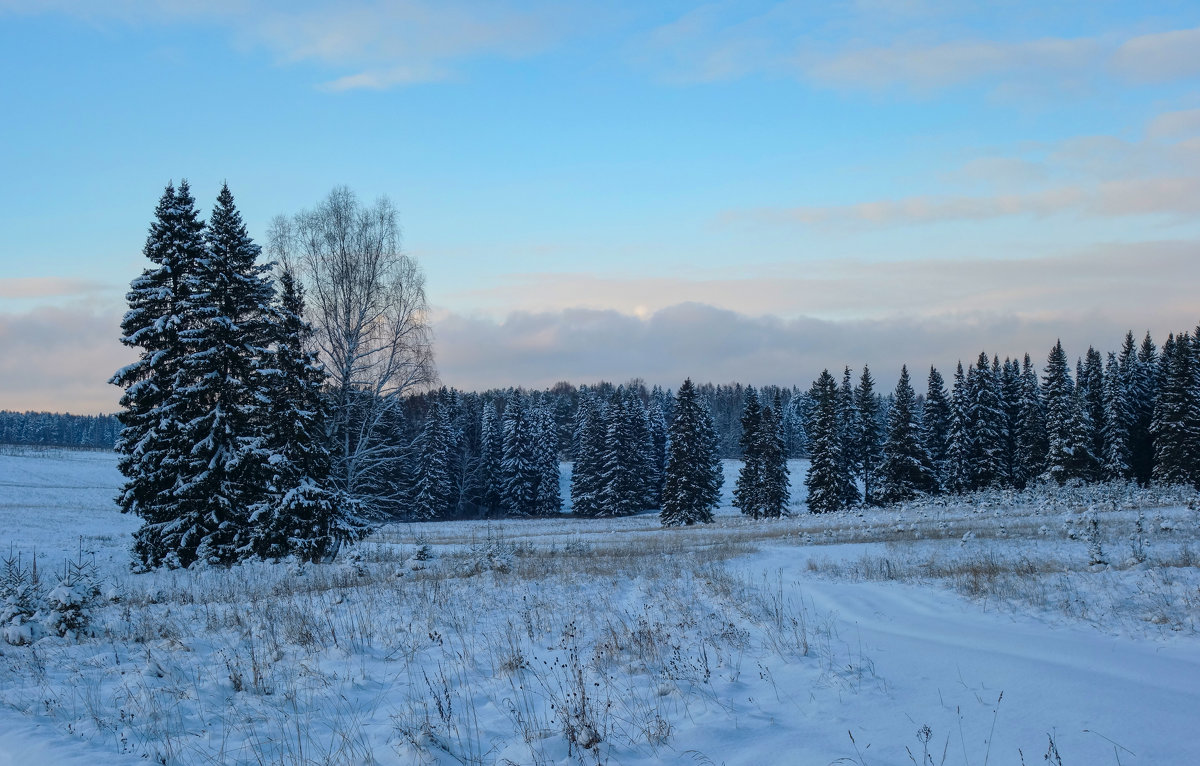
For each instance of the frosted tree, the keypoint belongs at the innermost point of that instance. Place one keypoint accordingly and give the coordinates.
(590, 431)
(1143, 376)
(622, 491)
(153, 442)
(433, 496)
(1118, 417)
(303, 514)
(693, 481)
(907, 470)
(549, 497)
(658, 449)
(827, 475)
(491, 459)
(519, 465)
(1176, 423)
(225, 336)
(988, 425)
(1031, 427)
(1069, 452)
(775, 492)
(960, 445)
(850, 435)
(748, 490)
(1091, 390)
(935, 424)
(868, 449)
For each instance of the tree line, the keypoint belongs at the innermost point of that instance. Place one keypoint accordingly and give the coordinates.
(55, 429)
(1132, 415)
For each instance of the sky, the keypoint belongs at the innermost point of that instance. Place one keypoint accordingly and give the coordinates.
(747, 191)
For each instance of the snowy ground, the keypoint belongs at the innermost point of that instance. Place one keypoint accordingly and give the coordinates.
(613, 641)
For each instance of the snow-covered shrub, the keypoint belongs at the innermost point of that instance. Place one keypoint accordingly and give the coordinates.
(19, 601)
(68, 605)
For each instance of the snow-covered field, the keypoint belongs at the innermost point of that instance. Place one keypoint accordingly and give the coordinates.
(809, 640)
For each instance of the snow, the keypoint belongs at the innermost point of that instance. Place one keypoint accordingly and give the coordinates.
(531, 640)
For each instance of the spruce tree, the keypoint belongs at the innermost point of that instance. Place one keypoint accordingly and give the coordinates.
(907, 469)
(775, 492)
(226, 315)
(1031, 440)
(869, 447)
(849, 430)
(988, 426)
(1092, 391)
(690, 484)
(519, 467)
(960, 447)
(621, 487)
(434, 497)
(658, 449)
(1118, 417)
(1067, 428)
(1143, 391)
(1176, 423)
(491, 460)
(590, 431)
(303, 514)
(748, 491)
(935, 425)
(1011, 396)
(152, 443)
(549, 496)
(827, 475)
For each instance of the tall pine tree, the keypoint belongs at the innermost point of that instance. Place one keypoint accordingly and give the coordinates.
(907, 469)
(693, 479)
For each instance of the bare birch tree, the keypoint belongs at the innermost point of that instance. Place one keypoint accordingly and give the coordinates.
(367, 303)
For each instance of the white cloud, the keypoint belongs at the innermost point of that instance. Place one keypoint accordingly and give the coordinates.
(383, 44)
(1157, 57)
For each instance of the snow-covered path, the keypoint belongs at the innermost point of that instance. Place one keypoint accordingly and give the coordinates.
(936, 654)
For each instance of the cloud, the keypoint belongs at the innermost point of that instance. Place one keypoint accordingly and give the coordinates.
(384, 44)
(1175, 125)
(1159, 274)
(1157, 57)
(713, 344)
(891, 47)
(1176, 198)
(59, 359)
(935, 67)
(24, 288)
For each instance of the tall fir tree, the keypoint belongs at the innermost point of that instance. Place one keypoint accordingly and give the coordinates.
(1176, 423)
(935, 425)
(1144, 389)
(775, 491)
(152, 443)
(491, 460)
(1011, 393)
(621, 486)
(868, 450)
(907, 470)
(827, 474)
(988, 425)
(1118, 418)
(658, 449)
(960, 447)
(303, 514)
(589, 436)
(691, 489)
(549, 495)
(1032, 444)
(1092, 392)
(1068, 433)
(748, 491)
(849, 431)
(434, 497)
(226, 315)
(519, 467)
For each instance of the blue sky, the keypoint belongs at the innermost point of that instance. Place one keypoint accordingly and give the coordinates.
(603, 190)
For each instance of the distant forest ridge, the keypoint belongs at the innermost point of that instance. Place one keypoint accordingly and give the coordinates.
(55, 429)
(725, 401)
